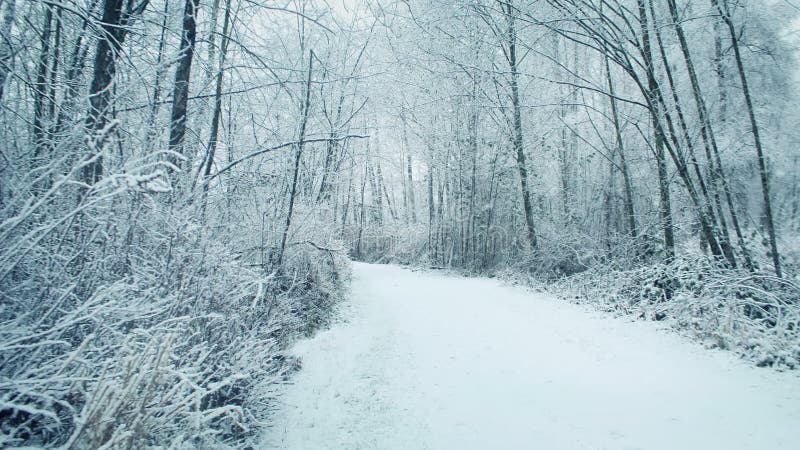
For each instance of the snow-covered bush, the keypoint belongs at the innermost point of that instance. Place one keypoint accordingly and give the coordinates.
(405, 243)
(756, 315)
(126, 323)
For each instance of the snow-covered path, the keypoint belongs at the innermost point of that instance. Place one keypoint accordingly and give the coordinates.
(426, 361)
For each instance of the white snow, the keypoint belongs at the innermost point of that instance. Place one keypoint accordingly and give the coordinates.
(427, 361)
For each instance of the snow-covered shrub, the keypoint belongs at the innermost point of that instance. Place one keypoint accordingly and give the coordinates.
(397, 244)
(756, 315)
(127, 323)
(312, 279)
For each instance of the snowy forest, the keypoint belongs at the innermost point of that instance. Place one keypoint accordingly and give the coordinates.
(184, 184)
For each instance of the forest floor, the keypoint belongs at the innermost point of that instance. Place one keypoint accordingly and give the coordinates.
(422, 360)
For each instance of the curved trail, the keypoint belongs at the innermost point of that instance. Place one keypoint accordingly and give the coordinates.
(427, 361)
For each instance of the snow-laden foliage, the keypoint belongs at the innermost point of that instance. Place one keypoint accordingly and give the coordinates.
(755, 315)
(125, 324)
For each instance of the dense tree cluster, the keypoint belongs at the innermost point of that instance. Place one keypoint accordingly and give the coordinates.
(157, 250)
(566, 133)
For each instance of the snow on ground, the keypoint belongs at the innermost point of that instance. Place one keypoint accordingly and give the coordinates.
(427, 361)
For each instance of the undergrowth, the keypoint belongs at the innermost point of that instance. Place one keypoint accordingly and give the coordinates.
(754, 315)
(125, 322)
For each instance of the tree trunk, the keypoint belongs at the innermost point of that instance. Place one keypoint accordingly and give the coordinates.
(661, 162)
(630, 212)
(473, 185)
(707, 134)
(412, 206)
(105, 68)
(517, 139)
(180, 93)
(363, 212)
(154, 107)
(72, 79)
(762, 163)
(6, 49)
(215, 118)
(377, 194)
(41, 95)
(431, 206)
(53, 72)
(298, 154)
